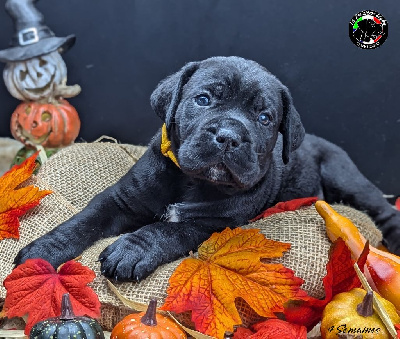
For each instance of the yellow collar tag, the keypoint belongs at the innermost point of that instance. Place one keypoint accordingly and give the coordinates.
(166, 146)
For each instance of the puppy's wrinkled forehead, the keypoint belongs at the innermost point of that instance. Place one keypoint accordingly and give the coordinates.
(235, 78)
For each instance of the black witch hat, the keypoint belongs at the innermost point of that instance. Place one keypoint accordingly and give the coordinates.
(32, 37)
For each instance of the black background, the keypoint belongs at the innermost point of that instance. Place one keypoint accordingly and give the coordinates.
(125, 47)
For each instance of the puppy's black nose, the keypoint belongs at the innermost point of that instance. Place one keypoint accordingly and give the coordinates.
(227, 138)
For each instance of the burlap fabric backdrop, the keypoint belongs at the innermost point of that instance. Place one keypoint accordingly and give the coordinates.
(77, 173)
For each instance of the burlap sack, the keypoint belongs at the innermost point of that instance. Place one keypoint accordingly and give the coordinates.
(75, 174)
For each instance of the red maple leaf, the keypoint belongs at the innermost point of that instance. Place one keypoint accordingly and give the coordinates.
(397, 326)
(291, 205)
(242, 333)
(36, 288)
(272, 329)
(276, 328)
(340, 277)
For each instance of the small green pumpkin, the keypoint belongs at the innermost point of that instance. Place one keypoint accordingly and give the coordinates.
(67, 325)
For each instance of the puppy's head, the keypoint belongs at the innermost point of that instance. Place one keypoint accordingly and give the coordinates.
(223, 116)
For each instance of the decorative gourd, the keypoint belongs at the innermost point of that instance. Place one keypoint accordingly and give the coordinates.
(48, 125)
(67, 325)
(147, 324)
(26, 152)
(352, 313)
(383, 267)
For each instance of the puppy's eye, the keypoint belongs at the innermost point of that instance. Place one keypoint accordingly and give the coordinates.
(264, 118)
(203, 100)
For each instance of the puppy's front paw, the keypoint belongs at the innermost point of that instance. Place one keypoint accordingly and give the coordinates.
(43, 248)
(130, 258)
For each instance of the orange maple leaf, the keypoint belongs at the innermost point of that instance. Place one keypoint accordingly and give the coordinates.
(228, 267)
(14, 200)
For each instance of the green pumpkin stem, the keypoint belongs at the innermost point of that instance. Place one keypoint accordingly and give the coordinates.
(365, 308)
(66, 308)
(149, 318)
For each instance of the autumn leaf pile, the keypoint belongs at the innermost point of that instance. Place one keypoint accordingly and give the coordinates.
(15, 200)
(229, 266)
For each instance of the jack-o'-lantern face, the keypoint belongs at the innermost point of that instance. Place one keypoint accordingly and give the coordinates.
(35, 79)
(48, 125)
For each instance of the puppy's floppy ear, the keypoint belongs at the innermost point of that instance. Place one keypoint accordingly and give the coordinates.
(166, 97)
(291, 127)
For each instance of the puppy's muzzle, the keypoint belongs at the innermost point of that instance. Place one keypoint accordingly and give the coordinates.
(228, 134)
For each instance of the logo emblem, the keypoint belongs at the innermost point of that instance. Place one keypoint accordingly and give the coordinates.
(368, 29)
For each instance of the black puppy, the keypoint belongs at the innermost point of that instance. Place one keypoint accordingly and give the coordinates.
(236, 146)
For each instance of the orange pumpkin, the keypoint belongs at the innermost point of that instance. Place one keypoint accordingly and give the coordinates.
(48, 125)
(147, 324)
